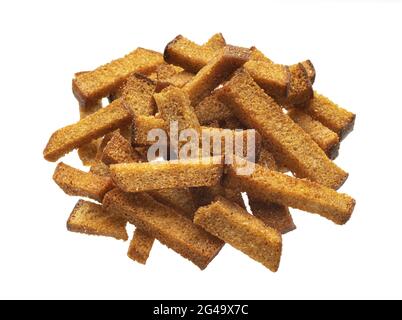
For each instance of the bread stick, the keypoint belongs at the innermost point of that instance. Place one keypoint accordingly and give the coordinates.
(326, 139)
(136, 177)
(234, 225)
(179, 199)
(309, 67)
(216, 71)
(170, 75)
(140, 246)
(165, 224)
(119, 150)
(330, 115)
(271, 186)
(287, 141)
(137, 95)
(142, 125)
(90, 128)
(212, 109)
(92, 219)
(102, 81)
(216, 42)
(75, 182)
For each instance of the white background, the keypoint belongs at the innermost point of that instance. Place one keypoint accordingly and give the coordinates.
(356, 49)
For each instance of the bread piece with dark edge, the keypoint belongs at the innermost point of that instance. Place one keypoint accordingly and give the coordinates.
(137, 95)
(215, 72)
(170, 75)
(274, 215)
(212, 109)
(234, 225)
(273, 78)
(90, 218)
(257, 55)
(326, 139)
(286, 140)
(137, 177)
(272, 186)
(204, 196)
(84, 131)
(75, 182)
(330, 115)
(165, 224)
(174, 105)
(187, 54)
(119, 150)
(308, 65)
(140, 246)
(102, 81)
(300, 87)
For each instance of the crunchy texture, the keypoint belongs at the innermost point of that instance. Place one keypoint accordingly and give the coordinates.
(212, 109)
(288, 142)
(119, 150)
(90, 128)
(165, 224)
(75, 182)
(215, 72)
(104, 80)
(234, 225)
(136, 177)
(271, 186)
(90, 218)
(140, 246)
(324, 137)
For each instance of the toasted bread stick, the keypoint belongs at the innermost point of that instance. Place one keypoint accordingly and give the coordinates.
(119, 150)
(100, 169)
(287, 140)
(274, 215)
(324, 137)
(140, 246)
(216, 42)
(137, 95)
(212, 109)
(142, 125)
(102, 81)
(330, 115)
(174, 105)
(179, 199)
(215, 72)
(204, 196)
(165, 224)
(273, 78)
(272, 186)
(136, 177)
(309, 67)
(92, 127)
(187, 54)
(300, 88)
(170, 75)
(75, 182)
(91, 218)
(234, 225)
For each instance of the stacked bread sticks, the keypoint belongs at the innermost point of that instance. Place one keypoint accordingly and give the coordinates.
(195, 206)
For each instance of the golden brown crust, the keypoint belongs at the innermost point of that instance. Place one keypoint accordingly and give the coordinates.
(300, 88)
(257, 55)
(92, 219)
(75, 182)
(326, 139)
(137, 95)
(271, 186)
(104, 80)
(273, 78)
(308, 65)
(330, 115)
(169, 227)
(204, 196)
(100, 169)
(216, 42)
(137, 177)
(212, 109)
(215, 72)
(174, 105)
(119, 150)
(140, 246)
(234, 225)
(187, 54)
(141, 126)
(90, 128)
(179, 199)
(287, 141)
